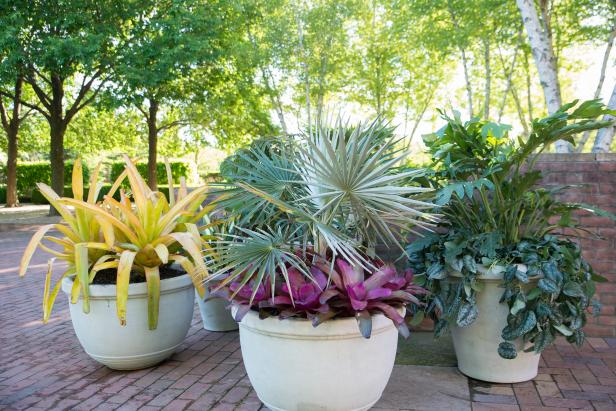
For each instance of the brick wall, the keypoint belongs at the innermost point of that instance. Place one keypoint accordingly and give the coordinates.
(596, 175)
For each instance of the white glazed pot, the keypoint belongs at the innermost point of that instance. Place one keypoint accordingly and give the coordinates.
(133, 346)
(216, 315)
(294, 366)
(476, 346)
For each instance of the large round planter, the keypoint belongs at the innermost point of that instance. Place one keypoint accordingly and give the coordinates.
(133, 346)
(216, 315)
(476, 346)
(294, 366)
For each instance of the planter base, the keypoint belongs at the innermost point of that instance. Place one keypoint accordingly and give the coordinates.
(215, 315)
(134, 362)
(133, 346)
(478, 358)
(273, 408)
(476, 346)
(294, 366)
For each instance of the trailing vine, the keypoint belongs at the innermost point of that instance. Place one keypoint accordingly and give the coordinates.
(547, 285)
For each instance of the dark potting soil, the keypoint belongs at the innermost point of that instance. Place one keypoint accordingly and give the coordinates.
(109, 276)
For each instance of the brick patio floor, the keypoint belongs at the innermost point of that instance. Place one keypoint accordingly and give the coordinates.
(43, 367)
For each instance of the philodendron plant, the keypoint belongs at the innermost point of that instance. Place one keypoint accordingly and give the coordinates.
(133, 236)
(308, 214)
(497, 218)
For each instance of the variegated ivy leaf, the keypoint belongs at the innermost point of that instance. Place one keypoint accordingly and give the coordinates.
(507, 350)
(467, 314)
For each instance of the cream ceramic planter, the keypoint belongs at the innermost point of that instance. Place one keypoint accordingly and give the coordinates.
(294, 366)
(216, 315)
(476, 346)
(133, 346)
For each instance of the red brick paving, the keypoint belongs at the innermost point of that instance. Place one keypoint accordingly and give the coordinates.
(569, 378)
(44, 367)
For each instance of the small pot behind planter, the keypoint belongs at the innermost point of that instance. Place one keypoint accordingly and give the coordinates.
(216, 315)
(133, 346)
(476, 346)
(294, 366)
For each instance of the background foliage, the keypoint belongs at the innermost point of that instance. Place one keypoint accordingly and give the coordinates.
(239, 70)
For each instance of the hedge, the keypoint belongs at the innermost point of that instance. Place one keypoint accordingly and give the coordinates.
(38, 198)
(178, 169)
(2, 194)
(30, 173)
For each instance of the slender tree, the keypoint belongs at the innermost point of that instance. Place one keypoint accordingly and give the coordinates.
(540, 41)
(171, 40)
(605, 136)
(465, 63)
(606, 57)
(67, 49)
(11, 93)
(269, 26)
(11, 118)
(303, 57)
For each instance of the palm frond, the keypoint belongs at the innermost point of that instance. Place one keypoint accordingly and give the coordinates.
(257, 254)
(272, 173)
(352, 183)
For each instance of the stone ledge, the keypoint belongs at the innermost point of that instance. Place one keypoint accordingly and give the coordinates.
(576, 157)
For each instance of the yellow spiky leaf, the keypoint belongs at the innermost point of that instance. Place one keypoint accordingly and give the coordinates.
(123, 279)
(81, 270)
(75, 290)
(152, 277)
(170, 182)
(31, 248)
(162, 252)
(196, 278)
(46, 290)
(51, 297)
(95, 186)
(77, 180)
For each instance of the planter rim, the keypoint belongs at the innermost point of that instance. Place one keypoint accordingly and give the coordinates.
(302, 328)
(136, 290)
(491, 273)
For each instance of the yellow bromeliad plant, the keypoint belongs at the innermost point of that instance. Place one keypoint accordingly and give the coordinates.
(138, 234)
(78, 228)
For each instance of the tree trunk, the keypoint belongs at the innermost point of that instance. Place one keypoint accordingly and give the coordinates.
(529, 100)
(56, 155)
(11, 169)
(57, 129)
(545, 61)
(518, 107)
(606, 57)
(469, 92)
(467, 80)
(12, 129)
(321, 84)
(272, 90)
(152, 144)
(275, 98)
(421, 114)
(604, 138)
(486, 56)
(509, 76)
(304, 64)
